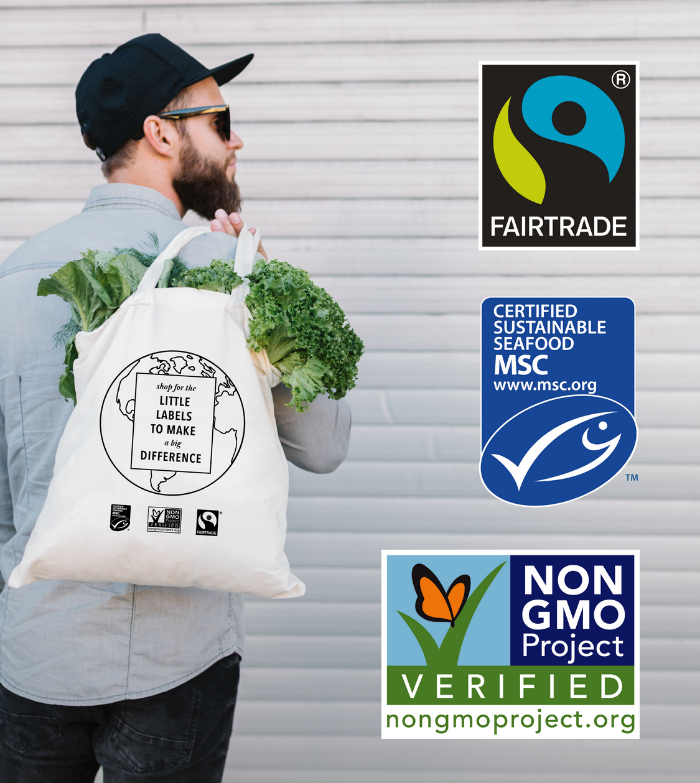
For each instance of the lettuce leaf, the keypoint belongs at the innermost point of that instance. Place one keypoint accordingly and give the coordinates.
(94, 286)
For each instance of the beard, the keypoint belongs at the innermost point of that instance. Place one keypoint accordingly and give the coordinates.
(202, 185)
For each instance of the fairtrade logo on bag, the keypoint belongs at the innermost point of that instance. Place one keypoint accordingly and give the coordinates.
(172, 422)
(207, 522)
(559, 155)
(510, 645)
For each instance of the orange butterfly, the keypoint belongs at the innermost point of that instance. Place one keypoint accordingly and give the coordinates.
(433, 603)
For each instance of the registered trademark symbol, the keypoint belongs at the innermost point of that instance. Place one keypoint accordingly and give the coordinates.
(621, 79)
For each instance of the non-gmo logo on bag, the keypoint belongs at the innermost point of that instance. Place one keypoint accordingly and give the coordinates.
(559, 156)
(164, 520)
(119, 517)
(207, 522)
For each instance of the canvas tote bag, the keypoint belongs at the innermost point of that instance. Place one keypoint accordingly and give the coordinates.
(170, 471)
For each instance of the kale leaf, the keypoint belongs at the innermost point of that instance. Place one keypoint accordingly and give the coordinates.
(219, 276)
(304, 332)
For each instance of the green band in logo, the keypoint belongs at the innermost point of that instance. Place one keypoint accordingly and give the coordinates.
(520, 170)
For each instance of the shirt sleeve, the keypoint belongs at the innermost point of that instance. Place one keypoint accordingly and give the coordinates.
(316, 440)
(7, 528)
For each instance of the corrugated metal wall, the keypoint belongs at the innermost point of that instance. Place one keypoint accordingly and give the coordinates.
(360, 124)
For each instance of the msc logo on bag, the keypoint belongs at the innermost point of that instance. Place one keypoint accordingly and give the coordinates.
(207, 522)
(557, 396)
(164, 520)
(521, 645)
(119, 517)
(559, 157)
(172, 422)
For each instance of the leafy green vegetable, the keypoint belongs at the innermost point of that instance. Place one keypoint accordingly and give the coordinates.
(66, 383)
(217, 277)
(148, 256)
(304, 332)
(94, 286)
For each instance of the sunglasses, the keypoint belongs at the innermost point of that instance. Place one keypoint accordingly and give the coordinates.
(223, 117)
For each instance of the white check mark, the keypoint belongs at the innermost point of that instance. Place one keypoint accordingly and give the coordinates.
(518, 472)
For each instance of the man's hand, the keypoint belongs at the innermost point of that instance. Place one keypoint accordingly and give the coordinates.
(232, 225)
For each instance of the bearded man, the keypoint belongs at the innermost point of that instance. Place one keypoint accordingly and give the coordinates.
(139, 680)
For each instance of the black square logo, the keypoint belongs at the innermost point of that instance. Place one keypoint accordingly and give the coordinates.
(119, 517)
(559, 156)
(207, 522)
(164, 520)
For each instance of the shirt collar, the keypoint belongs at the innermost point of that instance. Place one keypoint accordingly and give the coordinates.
(112, 193)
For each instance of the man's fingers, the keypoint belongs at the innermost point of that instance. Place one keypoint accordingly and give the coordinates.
(222, 223)
(236, 222)
(232, 225)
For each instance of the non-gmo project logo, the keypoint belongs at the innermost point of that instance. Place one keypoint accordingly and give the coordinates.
(164, 520)
(559, 155)
(510, 645)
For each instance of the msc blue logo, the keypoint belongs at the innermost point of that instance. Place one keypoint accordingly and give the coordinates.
(558, 450)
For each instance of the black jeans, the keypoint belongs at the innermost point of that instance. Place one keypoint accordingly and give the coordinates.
(179, 736)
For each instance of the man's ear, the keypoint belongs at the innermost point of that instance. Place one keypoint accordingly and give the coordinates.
(161, 135)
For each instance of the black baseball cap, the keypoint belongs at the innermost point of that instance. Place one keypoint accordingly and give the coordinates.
(117, 92)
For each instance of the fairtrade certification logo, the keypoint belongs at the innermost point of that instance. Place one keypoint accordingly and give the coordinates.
(510, 645)
(559, 155)
(557, 396)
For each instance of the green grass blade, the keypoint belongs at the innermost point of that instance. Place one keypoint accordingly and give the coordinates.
(424, 638)
(454, 638)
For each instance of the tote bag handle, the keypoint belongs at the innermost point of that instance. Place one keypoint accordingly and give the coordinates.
(150, 280)
(246, 250)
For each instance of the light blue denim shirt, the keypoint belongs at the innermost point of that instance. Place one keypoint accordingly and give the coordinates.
(64, 642)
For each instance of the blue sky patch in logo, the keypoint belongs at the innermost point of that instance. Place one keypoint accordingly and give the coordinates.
(557, 396)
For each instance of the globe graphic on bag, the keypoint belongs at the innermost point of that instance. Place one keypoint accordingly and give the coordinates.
(172, 422)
